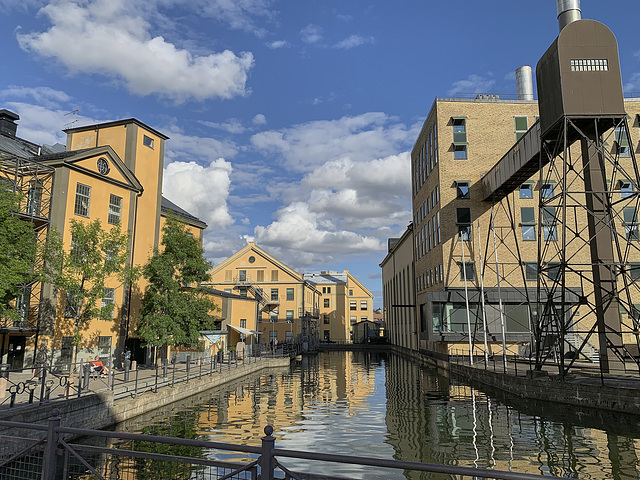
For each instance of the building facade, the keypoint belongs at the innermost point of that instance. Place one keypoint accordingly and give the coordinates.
(345, 302)
(476, 258)
(285, 305)
(112, 172)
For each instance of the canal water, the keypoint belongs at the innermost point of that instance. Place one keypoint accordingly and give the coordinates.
(379, 405)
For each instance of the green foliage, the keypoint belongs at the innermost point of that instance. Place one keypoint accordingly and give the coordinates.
(95, 259)
(17, 254)
(174, 310)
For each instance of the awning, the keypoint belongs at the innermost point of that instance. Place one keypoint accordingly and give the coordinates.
(213, 338)
(246, 331)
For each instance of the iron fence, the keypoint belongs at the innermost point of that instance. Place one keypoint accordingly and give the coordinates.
(46, 383)
(61, 453)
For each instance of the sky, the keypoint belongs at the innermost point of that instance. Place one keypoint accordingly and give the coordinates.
(290, 122)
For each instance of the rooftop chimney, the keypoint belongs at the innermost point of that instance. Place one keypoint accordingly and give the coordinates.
(568, 11)
(524, 83)
(8, 125)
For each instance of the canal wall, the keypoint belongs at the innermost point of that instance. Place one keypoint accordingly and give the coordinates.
(103, 410)
(573, 391)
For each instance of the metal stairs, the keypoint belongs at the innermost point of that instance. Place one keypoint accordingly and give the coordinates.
(589, 351)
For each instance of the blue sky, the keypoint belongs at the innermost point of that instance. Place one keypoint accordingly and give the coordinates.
(290, 122)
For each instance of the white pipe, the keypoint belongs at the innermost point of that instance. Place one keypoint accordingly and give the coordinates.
(568, 11)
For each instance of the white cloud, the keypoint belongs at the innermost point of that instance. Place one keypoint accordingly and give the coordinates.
(239, 14)
(277, 44)
(232, 125)
(259, 119)
(352, 42)
(473, 84)
(102, 37)
(298, 228)
(45, 96)
(633, 85)
(303, 147)
(311, 34)
(200, 190)
(183, 147)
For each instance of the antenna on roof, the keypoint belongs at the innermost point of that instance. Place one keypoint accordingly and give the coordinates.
(75, 120)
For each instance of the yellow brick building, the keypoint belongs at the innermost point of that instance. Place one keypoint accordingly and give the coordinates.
(285, 305)
(460, 141)
(345, 302)
(112, 172)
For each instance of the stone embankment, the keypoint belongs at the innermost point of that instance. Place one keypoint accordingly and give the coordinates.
(107, 407)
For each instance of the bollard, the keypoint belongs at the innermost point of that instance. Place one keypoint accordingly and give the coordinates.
(127, 367)
(134, 365)
(266, 457)
(86, 372)
(43, 378)
(13, 399)
(188, 366)
(165, 367)
(136, 387)
(79, 385)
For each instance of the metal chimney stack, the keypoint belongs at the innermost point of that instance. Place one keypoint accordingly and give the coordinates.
(524, 83)
(568, 11)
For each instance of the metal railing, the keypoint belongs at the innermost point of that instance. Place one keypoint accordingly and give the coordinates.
(46, 383)
(52, 452)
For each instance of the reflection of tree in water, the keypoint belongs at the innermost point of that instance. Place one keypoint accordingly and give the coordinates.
(182, 425)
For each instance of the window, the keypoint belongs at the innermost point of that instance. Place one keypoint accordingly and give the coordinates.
(634, 270)
(437, 193)
(115, 208)
(468, 269)
(289, 314)
(104, 345)
(243, 292)
(363, 304)
(288, 336)
(147, 141)
(589, 65)
(243, 323)
(351, 292)
(326, 303)
(260, 275)
(622, 142)
(70, 306)
(460, 152)
(289, 294)
(528, 219)
(546, 190)
(553, 271)
(242, 275)
(326, 319)
(274, 294)
(549, 227)
(464, 224)
(353, 319)
(34, 199)
(462, 190)
(521, 127)
(83, 196)
(531, 271)
(526, 190)
(109, 297)
(353, 305)
(630, 218)
(364, 319)
(626, 189)
(273, 335)
(459, 130)
(274, 275)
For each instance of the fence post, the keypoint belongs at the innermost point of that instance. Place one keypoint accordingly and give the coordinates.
(155, 390)
(266, 458)
(50, 458)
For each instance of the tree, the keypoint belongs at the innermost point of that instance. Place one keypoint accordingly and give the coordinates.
(17, 255)
(97, 257)
(174, 310)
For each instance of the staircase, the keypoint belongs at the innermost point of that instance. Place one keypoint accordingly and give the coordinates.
(588, 350)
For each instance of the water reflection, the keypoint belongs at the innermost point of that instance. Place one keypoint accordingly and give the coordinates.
(375, 405)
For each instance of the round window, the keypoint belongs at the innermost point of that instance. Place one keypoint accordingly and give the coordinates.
(252, 259)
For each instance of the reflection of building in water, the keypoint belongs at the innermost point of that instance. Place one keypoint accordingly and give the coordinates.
(453, 424)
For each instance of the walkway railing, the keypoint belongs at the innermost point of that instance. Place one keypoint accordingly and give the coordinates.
(49, 452)
(47, 383)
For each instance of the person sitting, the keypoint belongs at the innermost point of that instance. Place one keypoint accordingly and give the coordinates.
(99, 367)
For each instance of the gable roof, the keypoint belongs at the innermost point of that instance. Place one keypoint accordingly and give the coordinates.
(72, 159)
(251, 246)
(168, 207)
(95, 126)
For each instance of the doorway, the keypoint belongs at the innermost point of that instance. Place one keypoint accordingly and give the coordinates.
(16, 352)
